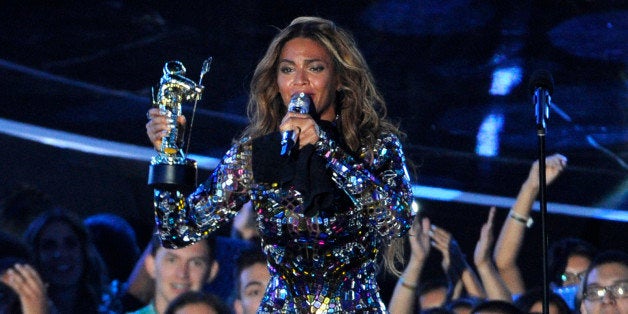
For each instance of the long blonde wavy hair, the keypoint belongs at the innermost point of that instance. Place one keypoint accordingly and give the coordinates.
(360, 107)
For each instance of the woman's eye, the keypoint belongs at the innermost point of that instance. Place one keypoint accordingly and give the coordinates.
(285, 69)
(318, 68)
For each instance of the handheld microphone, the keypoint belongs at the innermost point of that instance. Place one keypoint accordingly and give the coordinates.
(299, 103)
(541, 86)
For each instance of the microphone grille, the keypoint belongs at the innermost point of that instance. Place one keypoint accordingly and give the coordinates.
(300, 103)
(541, 78)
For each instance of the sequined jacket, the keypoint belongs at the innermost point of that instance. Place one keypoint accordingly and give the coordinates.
(321, 229)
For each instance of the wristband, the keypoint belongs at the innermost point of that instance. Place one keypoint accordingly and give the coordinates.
(407, 285)
(523, 220)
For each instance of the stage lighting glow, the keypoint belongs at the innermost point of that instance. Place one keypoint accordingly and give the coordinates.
(504, 80)
(488, 135)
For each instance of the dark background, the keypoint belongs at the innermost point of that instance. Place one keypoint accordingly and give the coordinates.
(87, 68)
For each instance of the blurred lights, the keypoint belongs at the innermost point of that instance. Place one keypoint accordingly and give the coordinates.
(488, 135)
(504, 80)
(107, 148)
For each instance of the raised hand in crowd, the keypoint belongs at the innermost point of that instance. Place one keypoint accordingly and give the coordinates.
(455, 265)
(404, 296)
(492, 282)
(26, 282)
(510, 239)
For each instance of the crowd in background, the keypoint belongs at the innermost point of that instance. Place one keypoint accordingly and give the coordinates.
(54, 261)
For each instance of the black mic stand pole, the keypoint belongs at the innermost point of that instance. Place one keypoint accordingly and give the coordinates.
(542, 113)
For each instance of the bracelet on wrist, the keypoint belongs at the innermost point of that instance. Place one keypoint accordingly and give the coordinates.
(520, 219)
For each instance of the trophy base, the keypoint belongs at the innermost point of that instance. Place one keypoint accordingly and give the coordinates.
(177, 176)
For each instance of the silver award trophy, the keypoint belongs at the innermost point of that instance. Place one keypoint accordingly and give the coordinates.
(170, 168)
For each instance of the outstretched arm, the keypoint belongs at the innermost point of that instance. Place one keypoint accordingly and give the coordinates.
(404, 296)
(455, 265)
(183, 220)
(495, 287)
(513, 230)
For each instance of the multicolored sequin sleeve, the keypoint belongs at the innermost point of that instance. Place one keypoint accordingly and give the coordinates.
(381, 189)
(182, 221)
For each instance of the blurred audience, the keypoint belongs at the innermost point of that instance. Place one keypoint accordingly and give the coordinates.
(67, 260)
(605, 284)
(21, 290)
(568, 259)
(197, 302)
(251, 277)
(176, 271)
(463, 305)
(433, 293)
(532, 302)
(63, 264)
(20, 207)
(227, 249)
(437, 310)
(496, 307)
(116, 243)
(460, 280)
(404, 297)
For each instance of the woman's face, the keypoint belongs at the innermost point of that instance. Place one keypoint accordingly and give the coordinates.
(60, 254)
(575, 269)
(306, 66)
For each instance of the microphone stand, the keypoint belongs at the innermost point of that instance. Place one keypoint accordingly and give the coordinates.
(542, 114)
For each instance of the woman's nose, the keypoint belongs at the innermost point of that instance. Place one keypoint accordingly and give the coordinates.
(300, 78)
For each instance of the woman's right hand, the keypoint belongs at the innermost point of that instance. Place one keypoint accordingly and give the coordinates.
(158, 126)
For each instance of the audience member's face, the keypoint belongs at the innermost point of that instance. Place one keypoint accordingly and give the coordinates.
(576, 266)
(253, 282)
(177, 271)
(606, 276)
(196, 308)
(462, 309)
(60, 254)
(306, 66)
(433, 298)
(538, 308)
